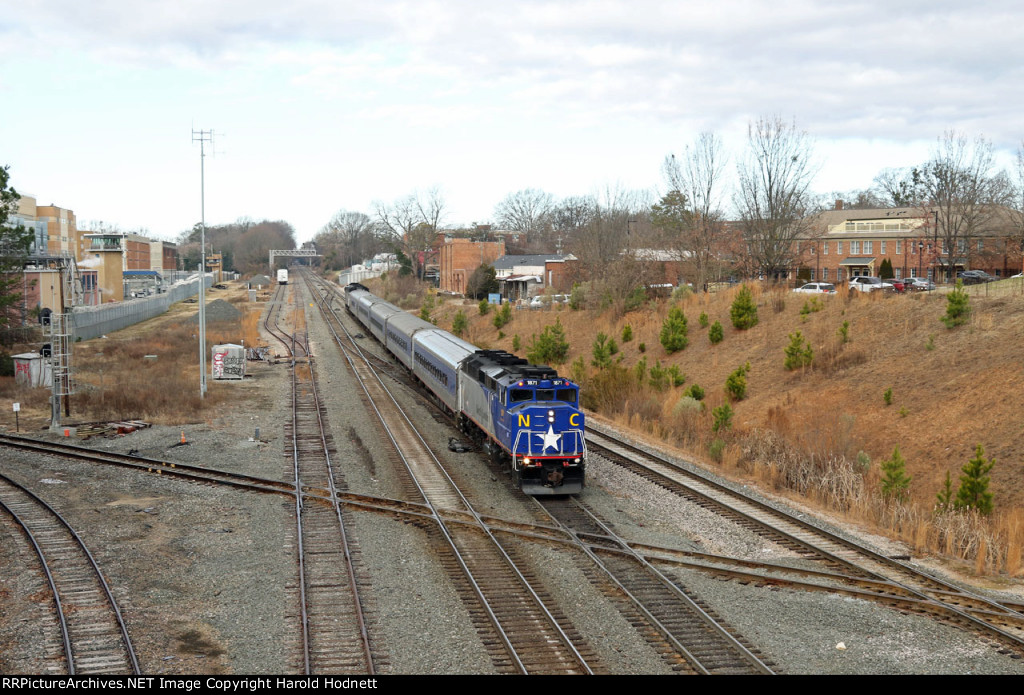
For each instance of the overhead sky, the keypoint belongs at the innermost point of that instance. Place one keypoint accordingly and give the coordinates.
(322, 105)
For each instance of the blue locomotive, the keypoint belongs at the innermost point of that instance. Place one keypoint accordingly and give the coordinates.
(518, 412)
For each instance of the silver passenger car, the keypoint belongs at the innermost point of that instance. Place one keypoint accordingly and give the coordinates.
(399, 333)
(437, 355)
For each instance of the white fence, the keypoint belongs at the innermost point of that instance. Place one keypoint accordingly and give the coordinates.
(94, 321)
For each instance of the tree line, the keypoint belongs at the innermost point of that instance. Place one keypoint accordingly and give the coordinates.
(752, 214)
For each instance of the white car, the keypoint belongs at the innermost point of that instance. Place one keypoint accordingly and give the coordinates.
(817, 288)
(866, 283)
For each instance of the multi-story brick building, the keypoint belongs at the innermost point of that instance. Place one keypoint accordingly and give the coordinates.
(846, 243)
(459, 258)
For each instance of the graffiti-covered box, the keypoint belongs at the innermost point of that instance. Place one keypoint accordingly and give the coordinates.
(228, 362)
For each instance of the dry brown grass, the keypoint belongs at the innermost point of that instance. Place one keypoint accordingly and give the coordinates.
(968, 389)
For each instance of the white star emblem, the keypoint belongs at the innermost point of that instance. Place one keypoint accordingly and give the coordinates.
(550, 439)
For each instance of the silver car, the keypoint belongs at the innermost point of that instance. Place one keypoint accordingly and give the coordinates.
(866, 283)
(919, 284)
(817, 288)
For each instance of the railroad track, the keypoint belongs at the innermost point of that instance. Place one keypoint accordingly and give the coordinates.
(946, 601)
(93, 633)
(523, 632)
(334, 631)
(691, 633)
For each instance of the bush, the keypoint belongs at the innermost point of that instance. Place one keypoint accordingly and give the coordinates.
(502, 316)
(484, 306)
(627, 333)
(715, 449)
(895, 481)
(642, 347)
(887, 396)
(844, 332)
(635, 300)
(743, 310)
(798, 353)
(460, 323)
(658, 377)
(958, 306)
(703, 319)
(973, 492)
(721, 418)
(676, 376)
(517, 344)
(428, 306)
(550, 347)
(673, 331)
(736, 383)
(695, 392)
(601, 351)
(578, 297)
(640, 370)
(715, 333)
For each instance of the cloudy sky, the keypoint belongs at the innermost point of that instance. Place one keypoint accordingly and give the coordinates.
(322, 105)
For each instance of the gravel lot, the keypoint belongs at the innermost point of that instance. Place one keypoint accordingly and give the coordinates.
(206, 575)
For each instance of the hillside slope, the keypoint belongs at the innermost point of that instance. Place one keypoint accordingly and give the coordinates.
(965, 391)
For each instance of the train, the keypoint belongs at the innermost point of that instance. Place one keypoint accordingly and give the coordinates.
(523, 415)
(282, 276)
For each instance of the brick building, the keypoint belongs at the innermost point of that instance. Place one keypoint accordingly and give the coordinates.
(459, 258)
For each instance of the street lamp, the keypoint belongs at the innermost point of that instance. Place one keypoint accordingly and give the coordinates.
(920, 252)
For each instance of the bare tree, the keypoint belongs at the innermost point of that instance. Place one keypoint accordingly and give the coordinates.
(348, 238)
(775, 201)
(413, 223)
(695, 180)
(901, 188)
(962, 195)
(527, 211)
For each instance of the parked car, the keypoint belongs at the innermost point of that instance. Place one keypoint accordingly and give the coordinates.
(866, 283)
(919, 284)
(897, 284)
(817, 288)
(975, 277)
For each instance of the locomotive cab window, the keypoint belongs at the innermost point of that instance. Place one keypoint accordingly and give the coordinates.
(545, 394)
(520, 395)
(567, 395)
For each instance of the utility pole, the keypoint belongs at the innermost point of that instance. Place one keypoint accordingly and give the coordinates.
(202, 137)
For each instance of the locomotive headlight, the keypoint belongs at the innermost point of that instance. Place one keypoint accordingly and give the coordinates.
(551, 416)
(526, 461)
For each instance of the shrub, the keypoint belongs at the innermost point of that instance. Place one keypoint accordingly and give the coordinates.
(484, 306)
(578, 297)
(658, 377)
(578, 371)
(640, 370)
(811, 306)
(676, 376)
(627, 333)
(844, 332)
(930, 343)
(673, 331)
(715, 333)
(715, 449)
(460, 323)
(736, 383)
(744, 311)
(517, 344)
(721, 418)
(695, 392)
(550, 347)
(502, 316)
(601, 351)
(798, 353)
(642, 347)
(703, 319)
(428, 306)
(887, 396)
(635, 300)
(895, 481)
(973, 492)
(958, 306)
